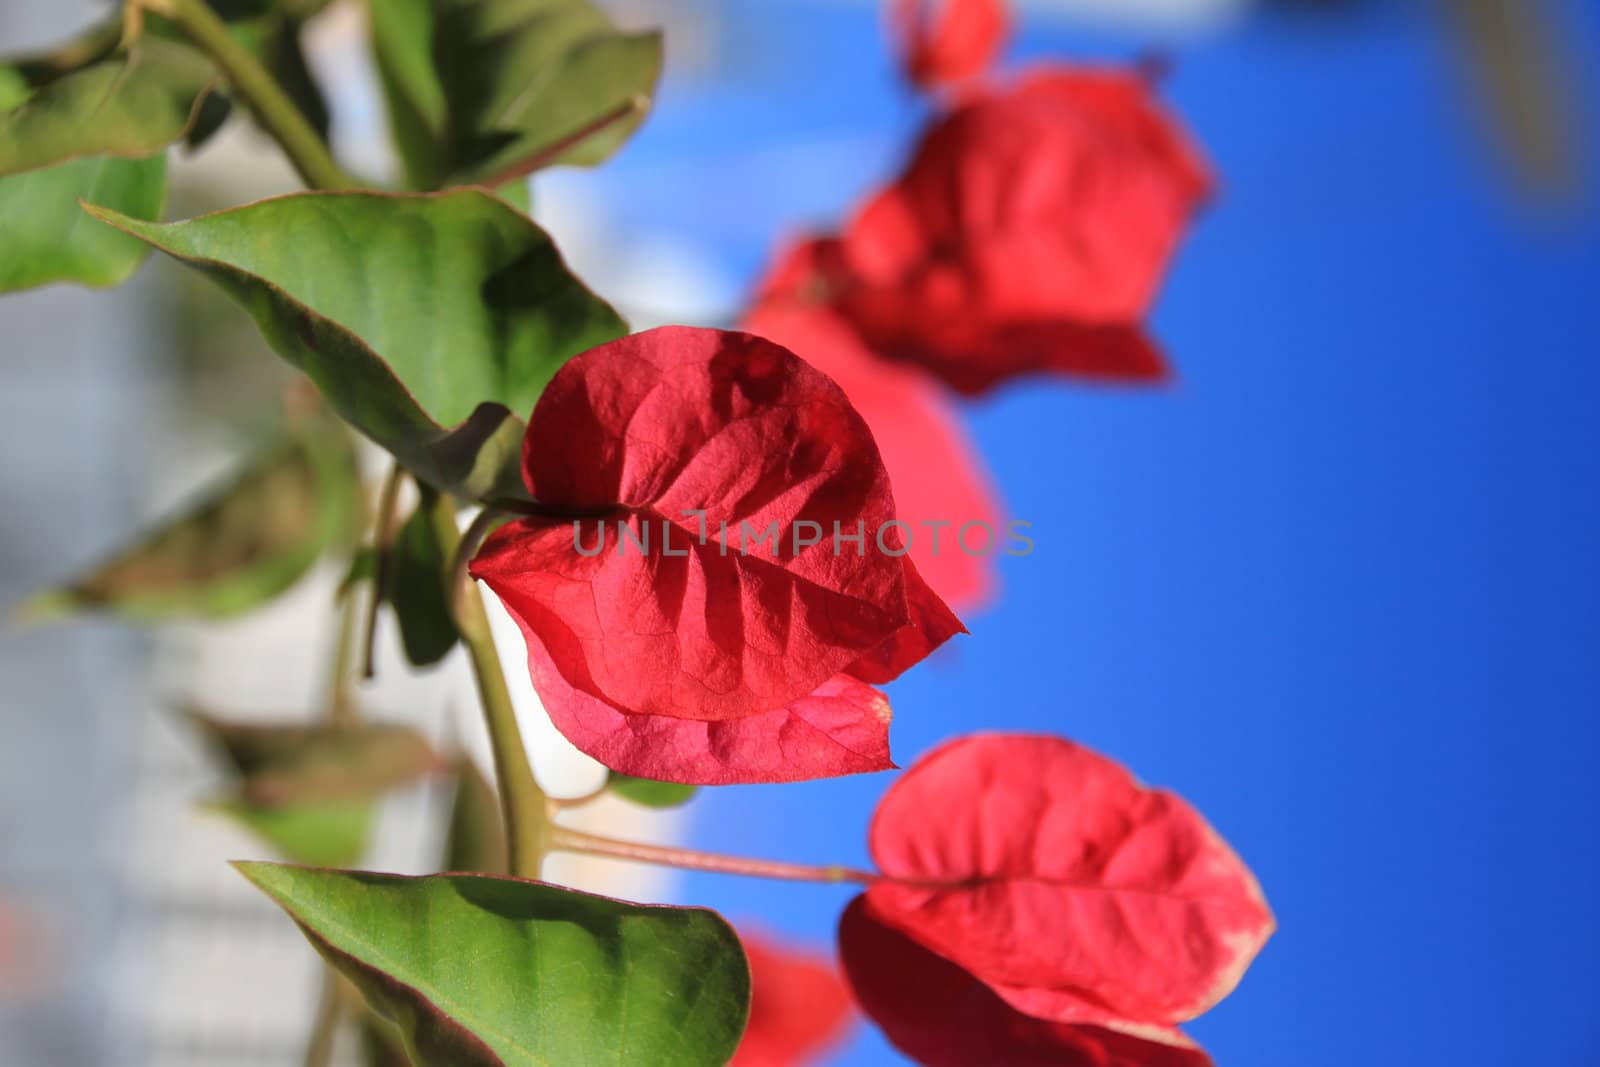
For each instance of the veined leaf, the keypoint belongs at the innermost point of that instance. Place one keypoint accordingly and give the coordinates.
(236, 548)
(479, 970)
(483, 90)
(324, 833)
(426, 320)
(280, 764)
(129, 106)
(650, 793)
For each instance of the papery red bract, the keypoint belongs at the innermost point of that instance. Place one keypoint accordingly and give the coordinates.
(937, 475)
(941, 1016)
(1030, 232)
(798, 1005)
(946, 41)
(708, 651)
(1047, 872)
(840, 728)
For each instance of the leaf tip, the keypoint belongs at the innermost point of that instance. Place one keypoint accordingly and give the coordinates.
(50, 605)
(109, 216)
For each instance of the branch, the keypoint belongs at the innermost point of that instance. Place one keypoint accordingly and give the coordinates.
(566, 840)
(259, 89)
(522, 802)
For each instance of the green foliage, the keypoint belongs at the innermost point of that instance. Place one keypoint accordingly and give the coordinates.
(21, 74)
(417, 590)
(271, 31)
(76, 125)
(482, 90)
(130, 106)
(329, 833)
(274, 38)
(477, 840)
(236, 548)
(45, 237)
(426, 320)
(651, 794)
(279, 764)
(478, 970)
(309, 791)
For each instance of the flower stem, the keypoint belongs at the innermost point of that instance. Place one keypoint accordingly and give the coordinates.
(522, 802)
(259, 89)
(460, 581)
(567, 840)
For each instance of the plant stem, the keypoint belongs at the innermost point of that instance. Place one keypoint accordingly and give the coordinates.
(342, 710)
(460, 582)
(567, 840)
(522, 802)
(325, 1028)
(260, 90)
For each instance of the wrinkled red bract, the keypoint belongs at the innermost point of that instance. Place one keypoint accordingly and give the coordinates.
(1030, 233)
(668, 634)
(841, 728)
(1054, 878)
(941, 1016)
(937, 475)
(946, 41)
(799, 1006)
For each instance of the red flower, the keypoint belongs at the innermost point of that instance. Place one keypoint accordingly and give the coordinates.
(941, 1016)
(798, 1006)
(944, 41)
(691, 611)
(1029, 233)
(1070, 893)
(940, 487)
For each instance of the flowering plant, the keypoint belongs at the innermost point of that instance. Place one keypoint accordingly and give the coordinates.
(713, 541)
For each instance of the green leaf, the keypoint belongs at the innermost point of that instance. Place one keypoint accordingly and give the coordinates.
(128, 106)
(380, 1043)
(402, 40)
(237, 547)
(651, 794)
(326, 834)
(417, 590)
(20, 75)
(479, 970)
(426, 320)
(483, 90)
(477, 841)
(45, 237)
(284, 764)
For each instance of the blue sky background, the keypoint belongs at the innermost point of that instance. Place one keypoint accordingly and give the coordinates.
(1338, 585)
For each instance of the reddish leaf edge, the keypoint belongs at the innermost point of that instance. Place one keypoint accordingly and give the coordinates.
(347, 963)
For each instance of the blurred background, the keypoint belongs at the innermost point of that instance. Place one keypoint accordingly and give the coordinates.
(1337, 584)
